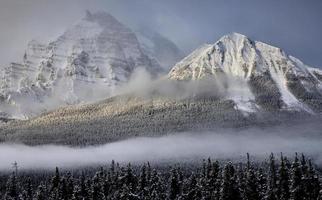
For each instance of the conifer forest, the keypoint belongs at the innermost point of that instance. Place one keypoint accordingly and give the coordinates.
(274, 179)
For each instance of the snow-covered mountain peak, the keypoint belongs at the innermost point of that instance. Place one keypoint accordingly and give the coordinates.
(89, 61)
(238, 55)
(271, 74)
(233, 37)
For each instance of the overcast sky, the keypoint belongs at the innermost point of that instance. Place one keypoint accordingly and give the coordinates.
(293, 25)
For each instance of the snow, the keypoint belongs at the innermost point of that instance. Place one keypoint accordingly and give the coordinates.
(288, 98)
(240, 93)
(85, 63)
(238, 56)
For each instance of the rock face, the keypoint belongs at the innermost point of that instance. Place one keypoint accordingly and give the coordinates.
(86, 63)
(273, 80)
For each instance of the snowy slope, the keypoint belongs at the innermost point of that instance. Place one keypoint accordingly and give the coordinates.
(86, 63)
(270, 78)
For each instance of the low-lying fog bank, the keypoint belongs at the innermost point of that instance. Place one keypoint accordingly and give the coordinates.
(217, 145)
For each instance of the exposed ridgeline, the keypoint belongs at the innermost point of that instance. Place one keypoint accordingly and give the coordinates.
(235, 82)
(275, 80)
(86, 63)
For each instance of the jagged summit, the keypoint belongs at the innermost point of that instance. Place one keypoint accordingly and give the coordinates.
(89, 61)
(103, 19)
(275, 80)
(234, 36)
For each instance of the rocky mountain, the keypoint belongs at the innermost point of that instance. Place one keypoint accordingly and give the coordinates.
(88, 62)
(233, 83)
(270, 78)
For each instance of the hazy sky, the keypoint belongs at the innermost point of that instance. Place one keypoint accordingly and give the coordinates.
(293, 25)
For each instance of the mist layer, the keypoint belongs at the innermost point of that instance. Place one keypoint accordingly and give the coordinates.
(217, 145)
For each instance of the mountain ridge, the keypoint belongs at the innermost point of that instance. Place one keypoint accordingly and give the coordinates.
(234, 83)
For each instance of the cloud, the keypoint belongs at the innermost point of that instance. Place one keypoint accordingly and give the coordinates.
(221, 144)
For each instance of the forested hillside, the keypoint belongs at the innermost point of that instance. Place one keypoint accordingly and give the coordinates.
(124, 117)
(120, 118)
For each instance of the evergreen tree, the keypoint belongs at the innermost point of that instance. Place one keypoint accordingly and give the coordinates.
(262, 181)
(320, 195)
(204, 168)
(84, 192)
(313, 184)
(194, 191)
(55, 186)
(209, 168)
(271, 190)
(27, 194)
(69, 186)
(63, 193)
(297, 192)
(215, 179)
(41, 193)
(305, 177)
(12, 188)
(212, 184)
(248, 161)
(130, 179)
(125, 193)
(304, 167)
(284, 190)
(148, 172)
(174, 189)
(180, 179)
(241, 177)
(56, 179)
(251, 186)
(106, 187)
(143, 182)
(156, 189)
(229, 188)
(77, 194)
(97, 190)
(112, 168)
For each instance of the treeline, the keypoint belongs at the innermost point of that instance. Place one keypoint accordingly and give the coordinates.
(273, 180)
